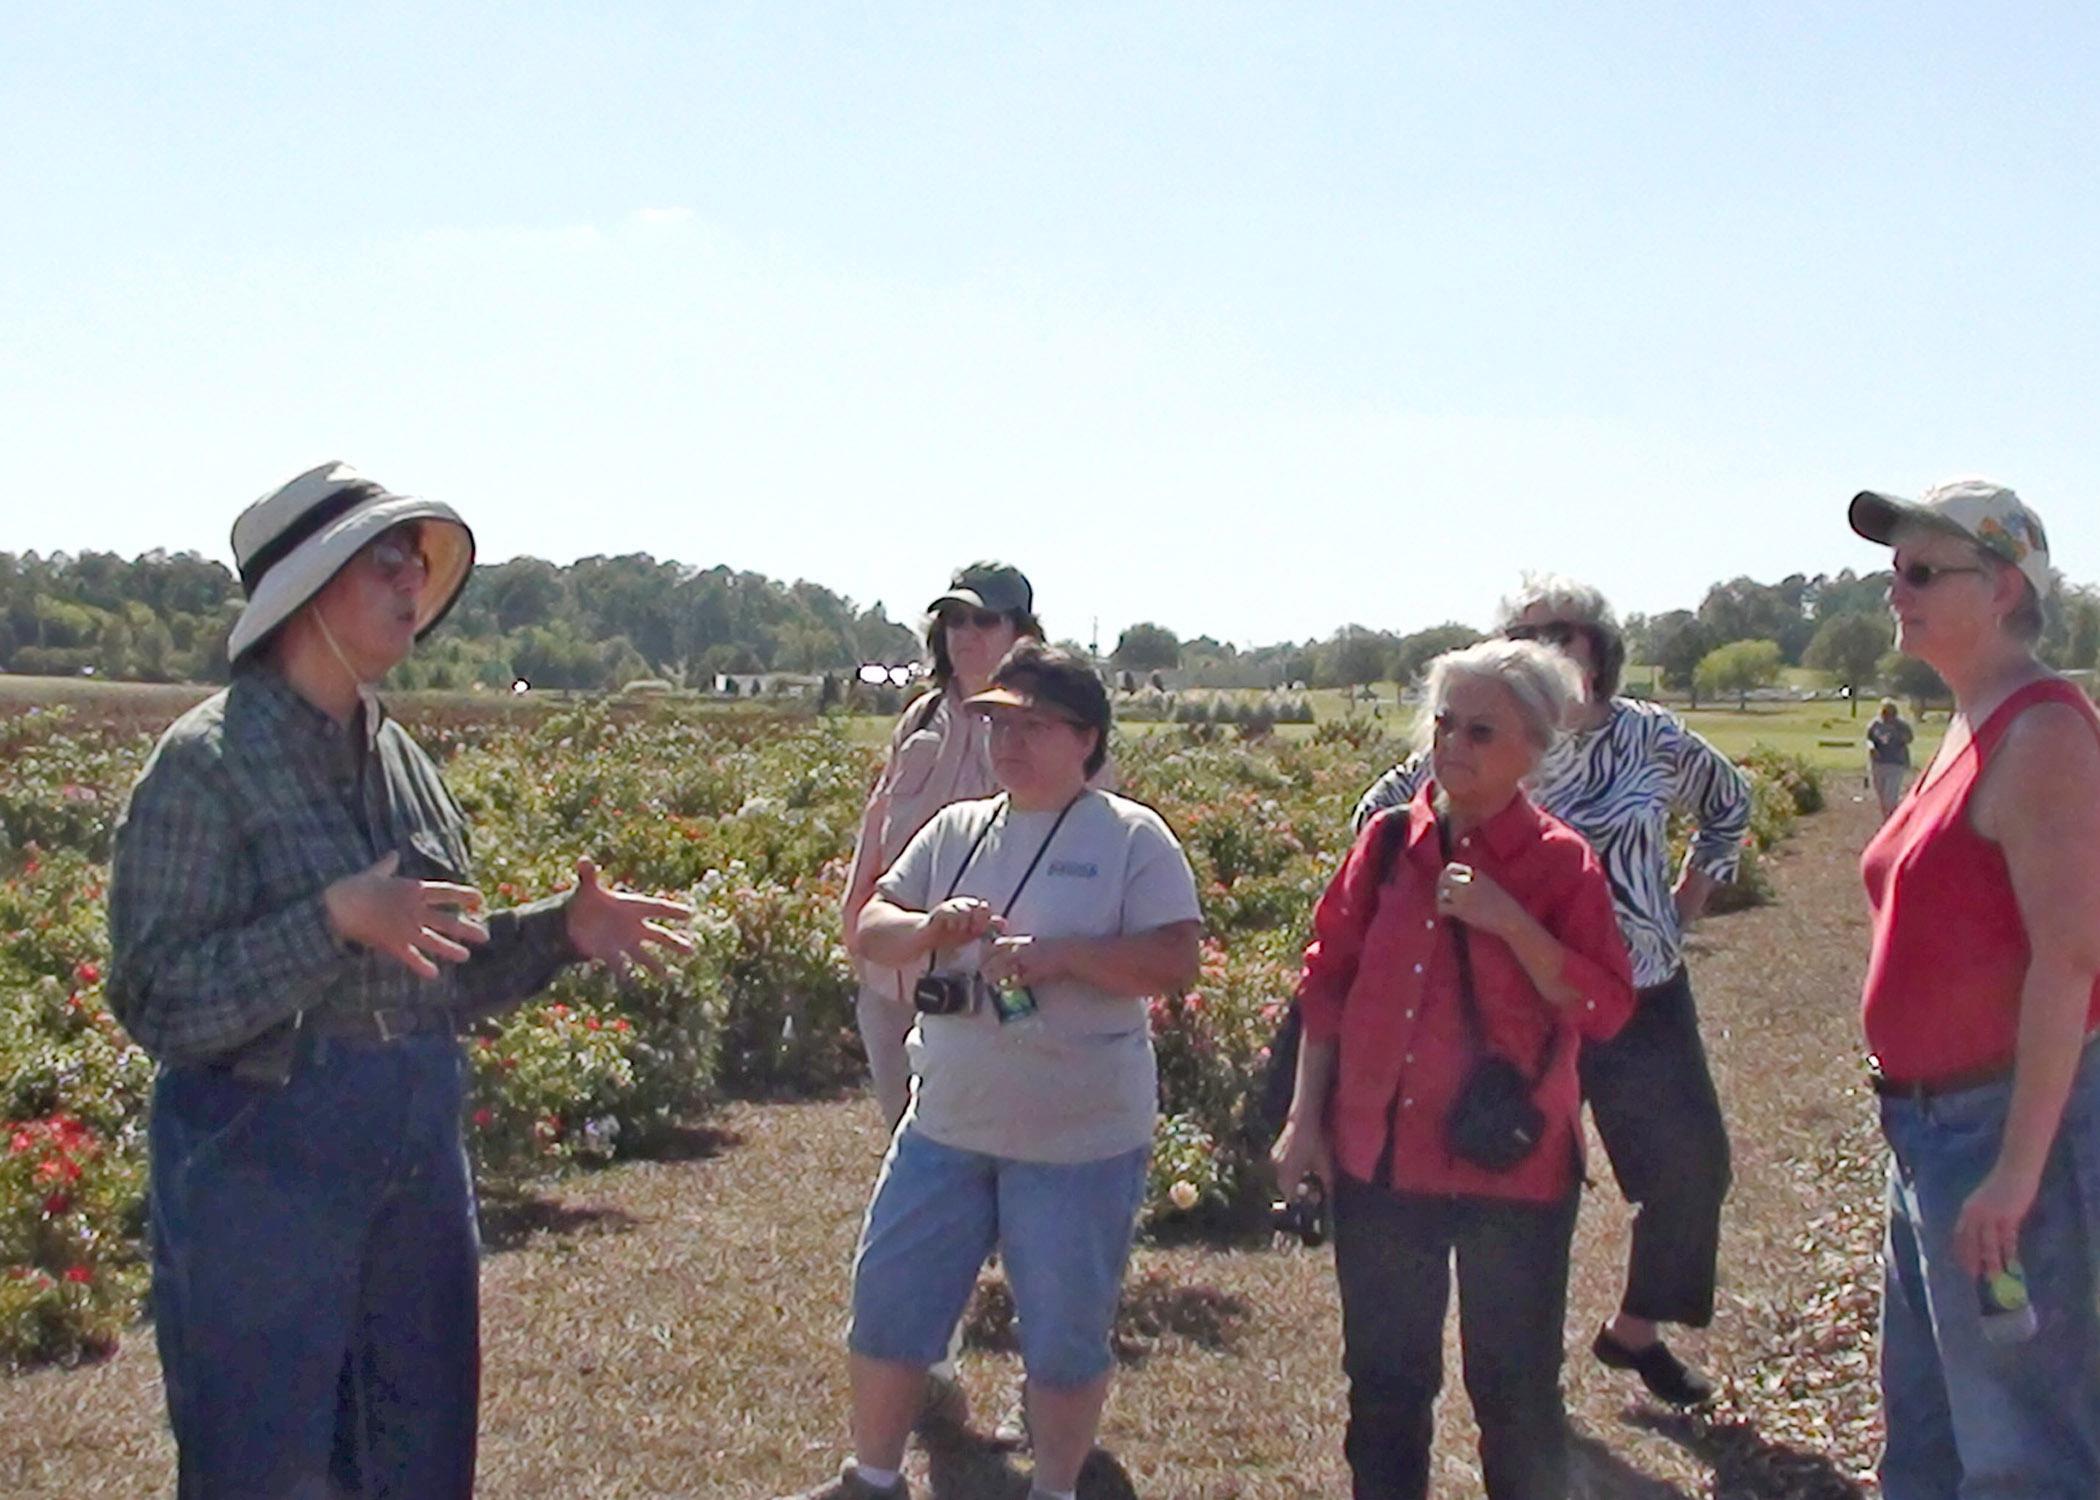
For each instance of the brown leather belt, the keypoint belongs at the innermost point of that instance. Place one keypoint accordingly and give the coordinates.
(387, 1024)
(1950, 1083)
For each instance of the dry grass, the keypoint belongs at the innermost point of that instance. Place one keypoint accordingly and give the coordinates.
(674, 1328)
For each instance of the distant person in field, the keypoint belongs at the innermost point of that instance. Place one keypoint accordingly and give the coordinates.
(1039, 922)
(296, 939)
(1888, 755)
(1464, 923)
(1981, 1008)
(1623, 770)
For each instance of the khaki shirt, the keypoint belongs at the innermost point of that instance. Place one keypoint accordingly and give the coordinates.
(947, 760)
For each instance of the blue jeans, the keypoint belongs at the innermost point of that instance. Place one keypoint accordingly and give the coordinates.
(1064, 1230)
(1966, 1418)
(315, 1275)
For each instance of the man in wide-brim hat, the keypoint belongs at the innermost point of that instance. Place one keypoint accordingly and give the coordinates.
(296, 939)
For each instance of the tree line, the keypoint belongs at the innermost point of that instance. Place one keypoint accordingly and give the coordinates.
(597, 623)
(1738, 639)
(602, 622)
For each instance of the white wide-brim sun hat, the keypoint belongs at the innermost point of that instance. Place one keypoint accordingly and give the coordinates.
(288, 544)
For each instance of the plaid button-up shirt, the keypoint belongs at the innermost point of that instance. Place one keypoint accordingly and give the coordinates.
(253, 803)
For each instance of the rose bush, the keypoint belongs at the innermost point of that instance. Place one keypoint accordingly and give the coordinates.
(750, 818)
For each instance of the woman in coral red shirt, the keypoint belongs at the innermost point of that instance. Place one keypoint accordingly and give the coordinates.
(1388, 1046)
(1981, 1006)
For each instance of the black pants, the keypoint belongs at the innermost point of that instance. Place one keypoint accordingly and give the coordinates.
(1653, 1098)
(1392, 1255)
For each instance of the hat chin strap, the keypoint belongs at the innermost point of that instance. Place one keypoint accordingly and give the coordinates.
(357, 678)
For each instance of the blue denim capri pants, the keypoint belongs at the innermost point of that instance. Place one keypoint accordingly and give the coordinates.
(1063, 1229)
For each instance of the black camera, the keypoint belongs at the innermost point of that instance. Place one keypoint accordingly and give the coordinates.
(944, 994)
(1303, 1215)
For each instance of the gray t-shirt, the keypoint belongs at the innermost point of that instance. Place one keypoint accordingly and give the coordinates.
(1075, 1082)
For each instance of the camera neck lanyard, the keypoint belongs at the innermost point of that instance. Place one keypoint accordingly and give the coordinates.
(1468, 997)
(978, 843)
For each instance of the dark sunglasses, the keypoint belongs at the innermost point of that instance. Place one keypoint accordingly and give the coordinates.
(1553, 632)
(1478, 733)
(977, 619)
(1925, 575)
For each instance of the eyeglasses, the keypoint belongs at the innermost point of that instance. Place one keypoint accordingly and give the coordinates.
(1924, 575)
(976, 619)
(1479, 732)
(1553, 632)
(392, 556)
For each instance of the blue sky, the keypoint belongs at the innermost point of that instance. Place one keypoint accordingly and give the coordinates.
(1250, 319)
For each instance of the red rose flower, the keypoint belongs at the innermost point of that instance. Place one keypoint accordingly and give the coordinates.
(79, 1275)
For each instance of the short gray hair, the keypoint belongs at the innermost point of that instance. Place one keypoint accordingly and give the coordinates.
(1574, 602)
(1542, 681)
(1578, 604)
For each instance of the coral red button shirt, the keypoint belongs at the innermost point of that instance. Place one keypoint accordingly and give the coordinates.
(1381, 977)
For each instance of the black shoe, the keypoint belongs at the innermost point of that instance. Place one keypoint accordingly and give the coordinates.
(1667, 1376)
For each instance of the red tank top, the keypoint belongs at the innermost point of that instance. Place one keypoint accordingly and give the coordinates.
(1950, 951)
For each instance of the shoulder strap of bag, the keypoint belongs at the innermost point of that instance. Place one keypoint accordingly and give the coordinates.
(918, 714)
(1468, 997)
(1462, 948)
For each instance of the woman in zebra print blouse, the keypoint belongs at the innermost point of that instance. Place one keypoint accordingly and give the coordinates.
(1623, 769)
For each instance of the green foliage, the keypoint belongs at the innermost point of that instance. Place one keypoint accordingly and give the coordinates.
(1738, 667)
(1356, 656)
(597, 623)
(748, 818)
(1676, 643)
(1743, 609)
(1849, 647)
(1907, 677)
(1791, 774)
(1257, 715)
(1415, 652)
(1146, 647)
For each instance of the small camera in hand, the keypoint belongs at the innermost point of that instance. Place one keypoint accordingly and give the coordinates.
(945, 994)
(1303, 1215)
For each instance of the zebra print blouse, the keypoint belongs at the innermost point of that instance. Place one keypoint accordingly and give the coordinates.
(1617, 785)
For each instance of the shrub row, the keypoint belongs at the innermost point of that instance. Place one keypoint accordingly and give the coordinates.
(749, 818)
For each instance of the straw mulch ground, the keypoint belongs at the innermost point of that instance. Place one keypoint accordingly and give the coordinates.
(673, 1328)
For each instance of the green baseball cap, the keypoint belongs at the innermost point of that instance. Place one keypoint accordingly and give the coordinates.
(989, 585)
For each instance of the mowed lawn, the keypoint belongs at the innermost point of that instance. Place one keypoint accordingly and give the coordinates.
(673, 1328)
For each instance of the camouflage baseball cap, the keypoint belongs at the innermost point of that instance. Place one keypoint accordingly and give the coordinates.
(1980, 510)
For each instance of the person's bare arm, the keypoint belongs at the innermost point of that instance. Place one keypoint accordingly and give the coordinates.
(2040, 803)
